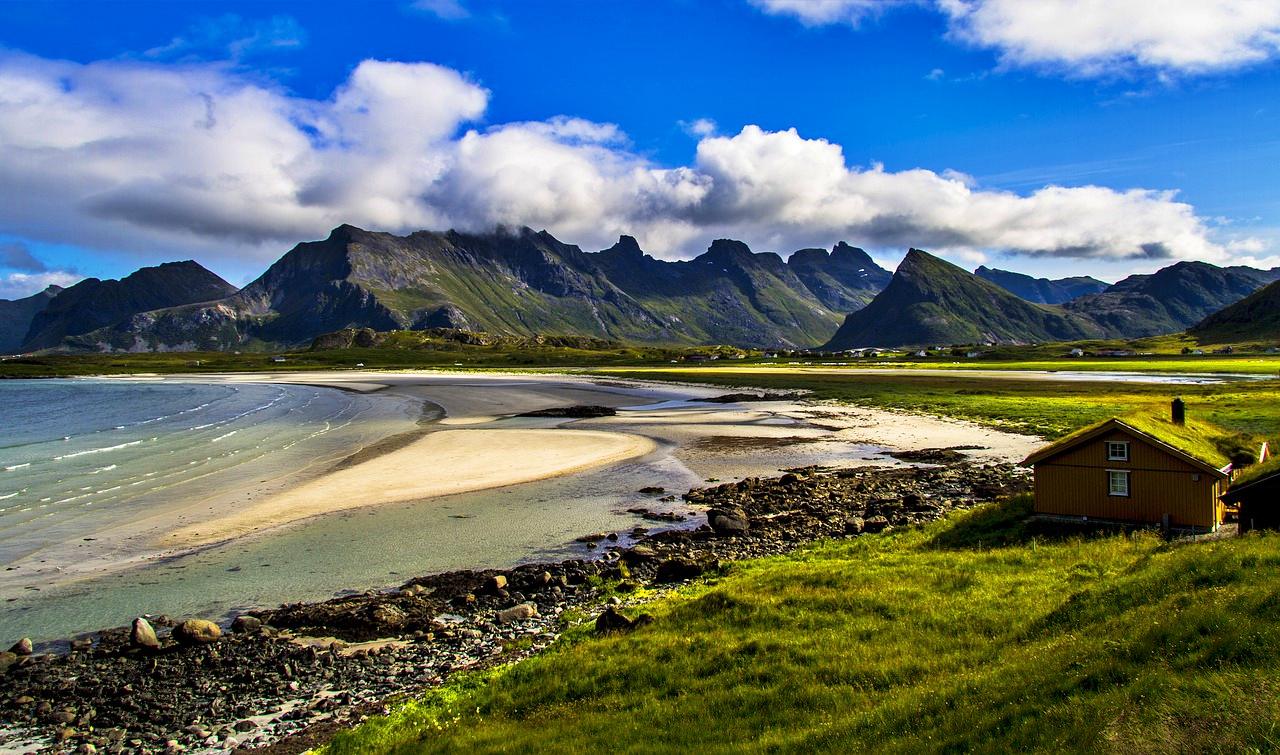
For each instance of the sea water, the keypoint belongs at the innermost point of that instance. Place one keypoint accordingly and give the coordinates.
(79, 456)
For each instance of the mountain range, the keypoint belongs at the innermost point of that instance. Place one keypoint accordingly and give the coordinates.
(517, 282)
(526, 283)
(1042, 290)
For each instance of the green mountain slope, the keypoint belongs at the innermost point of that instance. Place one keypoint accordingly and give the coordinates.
(1254, 318)
(1169, 300)
(931, 301)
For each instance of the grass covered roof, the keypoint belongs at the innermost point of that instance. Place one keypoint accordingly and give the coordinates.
(1197, 438)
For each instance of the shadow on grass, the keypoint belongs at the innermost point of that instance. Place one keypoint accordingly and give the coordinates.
(1011, 522)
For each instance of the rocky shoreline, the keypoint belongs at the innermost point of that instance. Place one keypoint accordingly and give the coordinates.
(283, 680)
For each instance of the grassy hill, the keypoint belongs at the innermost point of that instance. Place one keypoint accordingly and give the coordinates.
(1254, 318)
(976, 633)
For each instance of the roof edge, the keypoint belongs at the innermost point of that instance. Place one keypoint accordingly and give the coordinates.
(1065, 444)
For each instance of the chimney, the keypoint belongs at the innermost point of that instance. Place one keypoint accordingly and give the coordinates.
(1179, 412)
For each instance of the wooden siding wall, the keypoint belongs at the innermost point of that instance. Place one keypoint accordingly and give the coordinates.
(1074, 483)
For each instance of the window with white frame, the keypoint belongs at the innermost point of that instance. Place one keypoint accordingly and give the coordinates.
(1118, 483)
(1117, 450)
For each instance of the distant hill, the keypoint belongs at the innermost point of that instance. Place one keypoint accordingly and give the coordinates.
(1169, 300)
(931, 301)
(93, 303)
(517, 283)
(16, 317)
(1042, 290)
(1254, 318)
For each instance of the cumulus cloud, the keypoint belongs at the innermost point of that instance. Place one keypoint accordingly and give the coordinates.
(1088, 37)
(203, 159)
(1092, 37)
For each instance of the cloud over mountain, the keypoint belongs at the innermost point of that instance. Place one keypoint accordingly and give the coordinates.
(200, 156)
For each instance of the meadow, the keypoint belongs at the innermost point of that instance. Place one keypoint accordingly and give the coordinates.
(978, 632)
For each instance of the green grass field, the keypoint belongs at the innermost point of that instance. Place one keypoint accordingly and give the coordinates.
(970, 634)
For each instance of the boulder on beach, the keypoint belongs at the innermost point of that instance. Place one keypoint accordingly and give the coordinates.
(196, 632)
(22, 647)
(679, 569)
(728, 521)
(246, 624)
(612, 620)
(143, 635)
(7, 659)
(517, 613)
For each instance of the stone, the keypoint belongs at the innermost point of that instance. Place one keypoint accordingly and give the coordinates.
(196, 632)
(517, 613)
(245, 725)
(678, 570)
(143, 635)
(728, 521)
(7, 660)
(653, 490)
(854, 525)
(876, 524)
(610, 620)
(388, 616)
(246, 625)
(495, 583)
(81, 644)
(22, 647)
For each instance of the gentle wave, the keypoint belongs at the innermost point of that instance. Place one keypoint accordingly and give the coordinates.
(103, 450)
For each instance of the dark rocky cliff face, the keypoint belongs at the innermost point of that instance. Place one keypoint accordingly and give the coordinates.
(16, 317)
(93, 303)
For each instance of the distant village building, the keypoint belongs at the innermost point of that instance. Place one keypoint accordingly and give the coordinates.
(279, 360)
(1147, 470)
(1076, 352)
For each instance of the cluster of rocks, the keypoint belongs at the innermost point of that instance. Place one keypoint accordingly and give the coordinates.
(284, 677)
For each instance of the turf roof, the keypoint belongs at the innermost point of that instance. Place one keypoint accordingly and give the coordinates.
(1256, 472)
(1196, 438)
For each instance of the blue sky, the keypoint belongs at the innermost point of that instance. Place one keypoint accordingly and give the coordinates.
(133, 133)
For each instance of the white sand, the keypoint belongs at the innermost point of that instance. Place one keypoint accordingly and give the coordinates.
(441, 463)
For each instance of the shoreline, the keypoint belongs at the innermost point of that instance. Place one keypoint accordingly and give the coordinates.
(291, 676)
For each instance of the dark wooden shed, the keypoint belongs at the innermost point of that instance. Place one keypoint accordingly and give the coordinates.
(1256, 493)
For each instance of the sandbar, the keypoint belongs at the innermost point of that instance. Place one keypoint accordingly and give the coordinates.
(438, 464)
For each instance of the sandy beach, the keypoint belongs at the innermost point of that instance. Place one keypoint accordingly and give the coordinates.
(441, 463)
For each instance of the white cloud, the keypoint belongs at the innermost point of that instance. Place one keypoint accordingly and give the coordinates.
(1088, 37)
(699, 127)
(1092, 37)
(820, 12)
(22, 285)
(199, 159)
